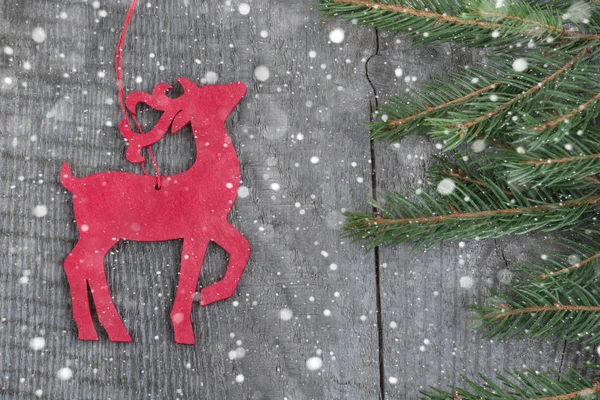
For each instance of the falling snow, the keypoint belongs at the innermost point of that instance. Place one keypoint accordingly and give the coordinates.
(64, 374)
(243, 192)
(520, 65)
(573, 259)
(314, 363)
(504, 276)
(40, 211)
(244, 8)
(466, 282)
(478, 146)
(211, 77)
(237, 354)
(579, 11)
(38, 34)
(262, 73)
(446, 186)
(337, 35)
(285, 314)
(37, 343)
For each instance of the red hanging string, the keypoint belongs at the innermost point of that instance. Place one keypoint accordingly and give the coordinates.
(119, 73)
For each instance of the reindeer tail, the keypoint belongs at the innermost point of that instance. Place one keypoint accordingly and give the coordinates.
(66, 176)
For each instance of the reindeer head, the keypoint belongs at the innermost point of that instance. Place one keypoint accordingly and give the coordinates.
(203, 107)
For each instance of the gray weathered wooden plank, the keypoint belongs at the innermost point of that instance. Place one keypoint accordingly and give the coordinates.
(427, 340)
(65, 108)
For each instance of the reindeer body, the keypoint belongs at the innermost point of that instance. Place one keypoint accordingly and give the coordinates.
(192, 206)
(99, 200)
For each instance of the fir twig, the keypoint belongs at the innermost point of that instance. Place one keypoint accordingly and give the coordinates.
(556, 164)
(509, 312)
(524, 384)
(465, 214)
(536, 163)
(581, 108)
(463, 177)
(375, 13)
(591, 179)
(485, 213)
(563, 306)
(571, 267)
(429, 109)
(533, 118)
(529, 92)
(455, 110)
(579, 394)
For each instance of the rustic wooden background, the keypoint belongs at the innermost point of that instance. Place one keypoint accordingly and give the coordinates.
(386, 324)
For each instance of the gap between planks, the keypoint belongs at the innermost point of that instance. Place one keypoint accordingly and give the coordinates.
(373, 105)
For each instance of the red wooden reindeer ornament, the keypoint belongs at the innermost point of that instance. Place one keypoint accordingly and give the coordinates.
(192, 206)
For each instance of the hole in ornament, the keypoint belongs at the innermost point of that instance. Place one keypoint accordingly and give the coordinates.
(147, 116)
(215, 265)
(179, 149)
(157, 187)
(94, 313)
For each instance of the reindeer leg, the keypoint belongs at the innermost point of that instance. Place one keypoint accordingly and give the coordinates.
(85, 266)
(82, 266)
(238, 248)
(107, 312)
(192, 257)
(77, 276)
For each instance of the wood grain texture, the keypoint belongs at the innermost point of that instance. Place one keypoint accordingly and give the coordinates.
(424, 295)
(65, 108)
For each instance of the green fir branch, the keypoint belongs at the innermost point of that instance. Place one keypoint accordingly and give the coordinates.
(578, 252)
(524, 384)
(533, 164)
(409, 113)
(563, 306)
(571, 108)
(483, 102)
(465, 214)
(472, 25)
(475, 178)
(491, 116)
(559, 164)
(557, 299)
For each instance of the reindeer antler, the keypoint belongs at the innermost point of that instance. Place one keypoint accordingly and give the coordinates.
(158, 100)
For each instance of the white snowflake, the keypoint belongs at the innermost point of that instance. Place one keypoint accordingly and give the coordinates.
(314, 363)
(520, 65)
(337, 35)
(446, 186)
(262, 73)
